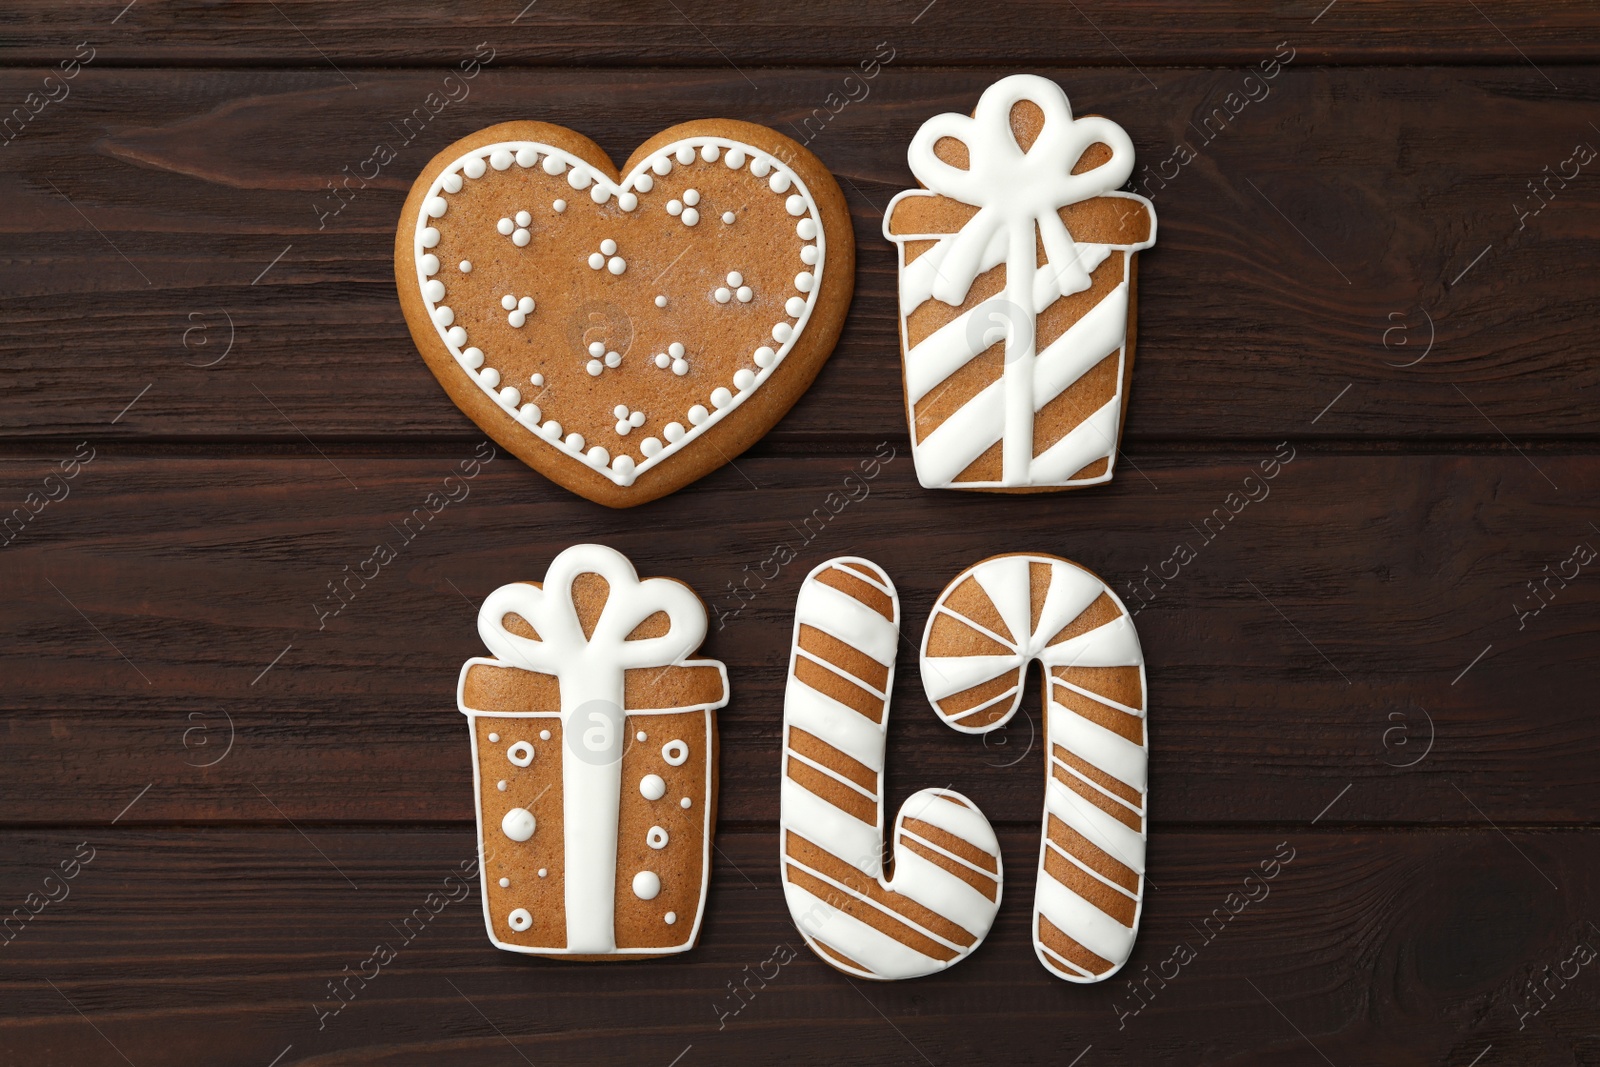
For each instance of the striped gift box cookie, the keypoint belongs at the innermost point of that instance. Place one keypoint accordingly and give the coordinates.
(986, 627)
(1017, 292)
(941, 899)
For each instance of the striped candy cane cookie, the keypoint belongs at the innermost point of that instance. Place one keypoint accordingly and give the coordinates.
(945, 888)
(987, 626)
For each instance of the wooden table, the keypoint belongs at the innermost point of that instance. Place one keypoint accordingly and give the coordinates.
(1385, 668)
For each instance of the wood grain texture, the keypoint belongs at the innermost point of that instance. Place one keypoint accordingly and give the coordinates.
(1399, 569)
(218, 946)
(1310, 245)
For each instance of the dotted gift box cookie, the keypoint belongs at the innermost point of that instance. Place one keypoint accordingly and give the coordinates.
(624, 333)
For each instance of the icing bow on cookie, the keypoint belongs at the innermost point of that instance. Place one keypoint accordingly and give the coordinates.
(1017, 189)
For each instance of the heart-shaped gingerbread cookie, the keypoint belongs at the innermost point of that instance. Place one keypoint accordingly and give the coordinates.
(625, 333)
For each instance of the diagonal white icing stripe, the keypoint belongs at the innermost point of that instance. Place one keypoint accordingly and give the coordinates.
(1047, 283)
(946, 609)
(1094, 786)
(966, 823)
(1082, 921)
(953, 345)
(944, 675)
(1062, 966)
(844, 728)
(1008, 585)
(961, 438)
(1101, 697)
(1093, 438)
(1071, 591)
(1101, 829)
(938, 890)
(917, 277)
(878, 952)
(1086, 342)
(833, 774)
(978, 710)
(960, 861)
(1114, 644)
(1110, 751)
(1086, 869)
(816, 820)
(843, 890)
(841, 672)
(841, 615)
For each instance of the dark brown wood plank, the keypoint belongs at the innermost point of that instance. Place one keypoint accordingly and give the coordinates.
(354, 35)
(1305, 647)
(218, 946)
(1317, 243)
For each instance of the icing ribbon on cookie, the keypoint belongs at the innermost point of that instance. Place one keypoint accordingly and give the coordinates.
(590, 670)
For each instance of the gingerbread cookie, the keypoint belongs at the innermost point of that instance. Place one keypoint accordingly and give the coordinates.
(998, 616)
(1017, 272)
(594, 749)
(624, 334)
(947, 875)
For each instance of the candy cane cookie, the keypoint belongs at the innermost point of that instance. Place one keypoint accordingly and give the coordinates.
(998, 616)
(941, 899)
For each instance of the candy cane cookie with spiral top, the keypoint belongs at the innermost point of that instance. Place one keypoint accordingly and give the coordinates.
(945, 888)
(986, 627)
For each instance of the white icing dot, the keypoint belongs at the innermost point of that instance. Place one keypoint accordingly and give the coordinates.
(690, 216)
(685, 802)
(505, 226)
(627, 201)
(680, 367)
(764, 356)
(608, 247)
(651, 787)
(745, 294)
(579, 178)
(735, 279)
(457, 336)
(450, 183)
(616, 264)
(443, 316)
(520, 753)
(430, 264)
(544, 735)
(552, 432)
(489, 377)
(521, 238)
(782, 332)
(599, 193)
(636, 420)
(473, 357)
(508, 302)
(760, 165)
(691, 197)
(596, 260)
(663, 360)
(743, 378)
(804, 281)
(641, 736)
(646, 885)
(517, 319)
(434, 290)
(644, 183)
(553, 166)
(808, 255)
(530, 414)
(650, 446)
(807, 229)
(543, 871)
(720, 397)
(466, 266)
(429, 237)
(674, 208)
(697, 414)
(494, 737)
(620, 411)
(685, 154)
(795, 205)
(728, 217)
(661, 301)
(473, 167)
(538, 379)
(559, 206)
(436, 207)
(734, 158)
(599, 456)
(501, 785)
(505, 883)
(500, 159)
(597, 348)
(523, 218)
(624, 467)
(525, 305)
(710, 153)
(675, 350)
(622, 428)
(520, 919)
(722, 296)
(527, 156)
(518, 824)
(594, 367)
(662, 165)
(613, 359)
(673, 432)
(671, 917)
(779, 182)
(510, 397)
(795, 306)
(575, 441)
(656, 837)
